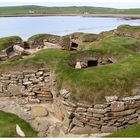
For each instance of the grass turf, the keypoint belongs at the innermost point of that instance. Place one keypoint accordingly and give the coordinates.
(129, 132)
(94, 83)
(8, 123)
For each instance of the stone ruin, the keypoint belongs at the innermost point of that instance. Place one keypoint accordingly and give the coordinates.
(33, 96)
(90, 60)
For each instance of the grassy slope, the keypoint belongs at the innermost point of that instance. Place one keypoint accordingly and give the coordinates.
(92, 84)
(65, 10)
(8, 123)
(129, 132)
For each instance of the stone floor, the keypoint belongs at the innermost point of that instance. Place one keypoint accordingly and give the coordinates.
(40, 117)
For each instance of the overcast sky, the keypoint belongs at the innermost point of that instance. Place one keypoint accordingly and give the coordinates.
(99, 3)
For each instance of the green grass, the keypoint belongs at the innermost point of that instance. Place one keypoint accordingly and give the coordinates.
(129, 28)
(94, 83)
(16, 10)
(7, 41)
(8, 123)
(129, 132)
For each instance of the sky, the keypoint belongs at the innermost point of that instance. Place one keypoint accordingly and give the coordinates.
(97, 3)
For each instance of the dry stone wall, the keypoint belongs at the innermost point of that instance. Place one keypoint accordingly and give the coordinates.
(116, 113)
(37, 87)
(33, 85)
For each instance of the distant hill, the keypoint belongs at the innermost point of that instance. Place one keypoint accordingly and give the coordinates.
(32, 9)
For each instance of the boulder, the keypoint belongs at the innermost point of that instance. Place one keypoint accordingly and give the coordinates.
(117, 106)
(39, 111)
(17, 49)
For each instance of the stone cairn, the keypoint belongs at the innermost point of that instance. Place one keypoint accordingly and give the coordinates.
(33, 85)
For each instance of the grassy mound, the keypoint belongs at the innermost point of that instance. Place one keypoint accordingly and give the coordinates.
(94, 83)
(36, 40)
(8, 41)
(129, 132)
(8, 123)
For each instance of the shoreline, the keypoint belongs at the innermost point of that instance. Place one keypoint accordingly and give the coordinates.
(125, 16)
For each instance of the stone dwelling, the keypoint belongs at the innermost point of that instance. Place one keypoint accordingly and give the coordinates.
(90, 60)
(72, 41)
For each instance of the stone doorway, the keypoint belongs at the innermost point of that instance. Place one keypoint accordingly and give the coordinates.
(74, 46)
(92, 63)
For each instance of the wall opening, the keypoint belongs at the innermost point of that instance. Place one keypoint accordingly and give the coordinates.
(92, 63)
(74, 46)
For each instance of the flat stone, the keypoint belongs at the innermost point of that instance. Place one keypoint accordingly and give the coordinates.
(80, 109)
(122, 113)
(117, 106)
(35, 81)
(39, 111)
(111, 98)
(97, 122)
(100, 106)
(57, 109)
(108, 129)
(81, 130)
(80, 118)
(93, 118)
(71, 104)
(133, 121)
(89, 114)
(26, 108)
(100, 111)
(40, 73)
(98, 115)
(77, 122)
(27, 83)
(84, 105)
(137, 97)
(93, 125)
(90, 110)
(15, 89)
